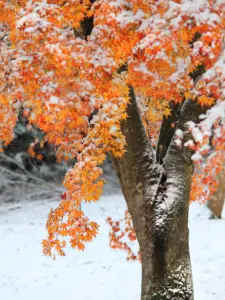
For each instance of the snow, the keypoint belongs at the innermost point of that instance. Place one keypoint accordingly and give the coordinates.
(32, 18)
(199, 9)
(197, 156)
(98, 272)
(113, 129)
(213, 114)
(179, 133)
(54, 100)
(125, 17)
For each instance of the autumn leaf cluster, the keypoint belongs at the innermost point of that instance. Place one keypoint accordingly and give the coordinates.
(71, 87)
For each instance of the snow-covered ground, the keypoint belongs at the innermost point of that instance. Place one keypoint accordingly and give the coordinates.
(98, 273)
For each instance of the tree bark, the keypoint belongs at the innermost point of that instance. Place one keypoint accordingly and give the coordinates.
(157, 198)
(216, 202)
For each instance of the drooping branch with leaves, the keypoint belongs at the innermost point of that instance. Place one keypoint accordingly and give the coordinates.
(130, 78)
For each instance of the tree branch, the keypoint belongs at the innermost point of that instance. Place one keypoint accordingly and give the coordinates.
(133, 168)
(167, 131)
(178, 164)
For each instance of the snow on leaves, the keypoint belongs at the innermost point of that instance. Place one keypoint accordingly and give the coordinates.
(69, 86)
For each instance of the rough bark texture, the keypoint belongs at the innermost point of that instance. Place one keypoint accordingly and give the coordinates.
(157, 197)
(216, 202)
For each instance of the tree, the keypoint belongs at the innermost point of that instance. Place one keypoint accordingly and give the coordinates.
(98, 77)
(216, 202)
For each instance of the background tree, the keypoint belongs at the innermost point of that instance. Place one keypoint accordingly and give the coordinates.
(216, 202)
(95, 90)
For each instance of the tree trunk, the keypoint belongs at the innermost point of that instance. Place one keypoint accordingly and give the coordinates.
(166, 267)
(216, 202)
(163, 239)
(157, 198)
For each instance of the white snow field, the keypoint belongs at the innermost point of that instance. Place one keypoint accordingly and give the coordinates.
(98, 273)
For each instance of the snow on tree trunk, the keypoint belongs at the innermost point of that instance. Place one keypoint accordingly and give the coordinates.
(157, 197)
(166, 267)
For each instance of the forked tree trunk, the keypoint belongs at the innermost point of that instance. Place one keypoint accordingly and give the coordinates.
(157, 194)
(157, 197)
(216, 202)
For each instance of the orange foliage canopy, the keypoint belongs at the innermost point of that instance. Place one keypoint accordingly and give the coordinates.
(69, 86)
